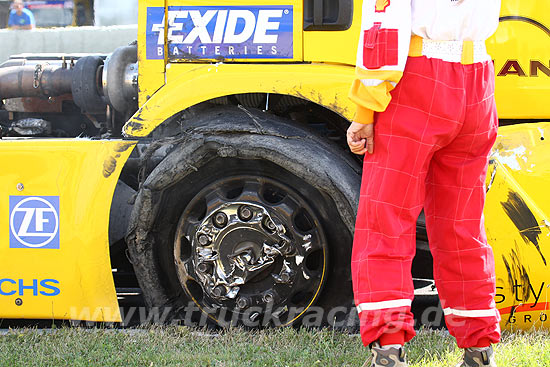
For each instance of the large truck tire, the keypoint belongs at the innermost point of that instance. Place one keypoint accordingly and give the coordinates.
(249, 219)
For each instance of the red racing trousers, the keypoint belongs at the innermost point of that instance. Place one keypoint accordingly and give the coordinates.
(431, 151)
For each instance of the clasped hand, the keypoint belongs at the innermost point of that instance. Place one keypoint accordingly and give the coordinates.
(361, 138)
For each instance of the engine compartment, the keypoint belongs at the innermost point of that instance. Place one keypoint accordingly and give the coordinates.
(68, 95)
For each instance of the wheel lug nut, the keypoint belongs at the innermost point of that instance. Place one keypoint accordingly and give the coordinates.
(220, 220)
(269, 225)
(245, 213)
(285, 277)
(204, 240)
(218, 291)
(203, 267)
(242, 302)
(269, 297)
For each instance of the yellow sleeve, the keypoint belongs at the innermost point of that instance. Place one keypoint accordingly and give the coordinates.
(370, 98)
(381, 56)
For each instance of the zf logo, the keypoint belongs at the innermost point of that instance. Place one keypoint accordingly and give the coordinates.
(34, 222)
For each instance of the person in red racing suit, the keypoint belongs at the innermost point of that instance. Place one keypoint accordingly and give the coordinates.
(426, 116)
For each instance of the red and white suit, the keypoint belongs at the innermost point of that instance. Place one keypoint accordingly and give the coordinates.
(422, 67)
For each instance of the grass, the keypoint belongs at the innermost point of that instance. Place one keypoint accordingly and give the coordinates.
(180, 346)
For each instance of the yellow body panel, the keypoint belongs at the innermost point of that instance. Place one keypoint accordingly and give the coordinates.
(516, 213)
(521, 51)
(190, 84)
(73, 281)
(335, 46)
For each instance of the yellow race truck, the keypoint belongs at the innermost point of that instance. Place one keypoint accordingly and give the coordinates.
(209, 159)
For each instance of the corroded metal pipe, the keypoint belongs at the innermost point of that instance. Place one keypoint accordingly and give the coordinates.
(34, 81)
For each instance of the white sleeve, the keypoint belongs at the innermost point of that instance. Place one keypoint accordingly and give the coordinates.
(382, 54)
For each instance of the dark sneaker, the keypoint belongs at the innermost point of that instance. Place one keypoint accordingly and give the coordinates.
(392, 357)
(483, 358)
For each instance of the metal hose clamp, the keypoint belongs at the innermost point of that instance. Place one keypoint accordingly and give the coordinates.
(37, 76)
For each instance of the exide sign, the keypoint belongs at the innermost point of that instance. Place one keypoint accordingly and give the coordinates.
(217, 32)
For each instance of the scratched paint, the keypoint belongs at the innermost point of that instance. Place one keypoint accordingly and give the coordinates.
(518, 277)
(511, 157)
(524, 220)
(110, 163)
(517, 221)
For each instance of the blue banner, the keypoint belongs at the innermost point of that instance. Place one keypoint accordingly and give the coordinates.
(220, 32)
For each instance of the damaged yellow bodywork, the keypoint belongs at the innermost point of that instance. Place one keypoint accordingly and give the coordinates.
(517, 225)
(74, 281)
(67, 185)
(316, 72)
(291, 79)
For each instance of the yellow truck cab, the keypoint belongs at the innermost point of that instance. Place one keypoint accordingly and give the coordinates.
(212, 152)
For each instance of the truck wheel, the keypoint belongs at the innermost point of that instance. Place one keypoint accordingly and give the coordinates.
(248, 219)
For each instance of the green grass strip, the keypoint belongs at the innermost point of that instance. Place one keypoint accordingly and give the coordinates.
(181, 346)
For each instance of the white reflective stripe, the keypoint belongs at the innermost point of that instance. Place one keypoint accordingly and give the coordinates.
(383, 305)
(375, 82)
(371, 82)
(470, 313)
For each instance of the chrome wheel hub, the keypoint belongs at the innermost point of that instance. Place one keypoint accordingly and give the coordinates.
(247, 242)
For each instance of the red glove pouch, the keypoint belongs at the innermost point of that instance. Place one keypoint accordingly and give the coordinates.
(380, 47)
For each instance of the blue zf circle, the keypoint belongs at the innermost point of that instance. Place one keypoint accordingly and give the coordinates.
(34, 222)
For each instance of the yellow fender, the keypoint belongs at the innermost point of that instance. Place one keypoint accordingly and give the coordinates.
(324, 84)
